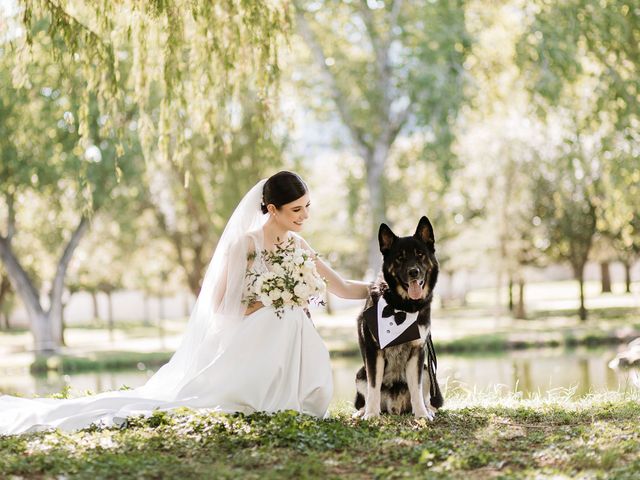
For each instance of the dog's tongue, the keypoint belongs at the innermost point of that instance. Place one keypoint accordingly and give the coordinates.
(415, 291)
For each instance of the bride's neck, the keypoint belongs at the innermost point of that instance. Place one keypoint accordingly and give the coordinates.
(273, 233)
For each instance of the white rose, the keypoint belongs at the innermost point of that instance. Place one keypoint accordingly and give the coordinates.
(288, 265)
(266, 301)
(309, 265)
(277, 269)
(301, 291)
(310, 278)
(274, 294)
(298, 260)
(287, 296)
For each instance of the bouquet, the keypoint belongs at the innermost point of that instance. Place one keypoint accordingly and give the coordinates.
(292, 280)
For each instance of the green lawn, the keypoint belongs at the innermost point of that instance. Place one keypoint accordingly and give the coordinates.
(496, 438)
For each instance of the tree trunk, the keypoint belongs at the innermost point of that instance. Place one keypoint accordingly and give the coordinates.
(45, 326)
(39, 324)
(378, 206)
(582, 311)
(627, 276)
(605, 276)
(96, 312)
(161, 314)
(520, 312)
(5, 288)
(146, 318)
(57, 289)
(63, 325)
(511, 295)
(110, 313)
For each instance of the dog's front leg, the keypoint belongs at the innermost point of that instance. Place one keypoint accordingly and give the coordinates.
(375, 371)
(414, 372)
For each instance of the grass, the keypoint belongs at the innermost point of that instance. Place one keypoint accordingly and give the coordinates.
(483, 437)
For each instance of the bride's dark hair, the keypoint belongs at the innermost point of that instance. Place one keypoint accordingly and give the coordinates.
(282, 188)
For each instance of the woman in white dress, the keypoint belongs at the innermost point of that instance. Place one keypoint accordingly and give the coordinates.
(232, 358)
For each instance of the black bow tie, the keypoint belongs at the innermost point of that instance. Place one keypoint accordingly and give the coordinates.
(398, 317)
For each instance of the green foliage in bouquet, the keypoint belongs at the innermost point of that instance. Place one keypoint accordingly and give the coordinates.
(290, 280)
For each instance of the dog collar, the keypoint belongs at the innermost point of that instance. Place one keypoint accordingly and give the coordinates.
(392, 323)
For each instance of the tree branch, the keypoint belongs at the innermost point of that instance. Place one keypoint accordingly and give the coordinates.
(55, 295)
(396, 124)
(54, 8)
(20, 279)
(308, 35)
(11, 217)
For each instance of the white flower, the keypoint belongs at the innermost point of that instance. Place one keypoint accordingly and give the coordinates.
(309, 265)
(287, 296)
(266, 301)
(277, 270)
(275, 294)
(298, 260)
(301, 291)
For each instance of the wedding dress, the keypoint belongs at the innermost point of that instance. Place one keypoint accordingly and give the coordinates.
(227, 362)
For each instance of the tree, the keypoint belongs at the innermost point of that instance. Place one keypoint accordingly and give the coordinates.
(6, 300)
(620, 222)
(569, 41)
(62, 170)
(582, 55)
(565, 203)
(194, 198)
(192, 55)
(388, 67)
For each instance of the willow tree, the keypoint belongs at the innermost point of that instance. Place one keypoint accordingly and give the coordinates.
(53, 178)
(202, 76)
(78, 77)
(387, 68)
(191, 55)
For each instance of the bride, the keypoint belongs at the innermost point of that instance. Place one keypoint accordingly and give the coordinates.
(232, 358)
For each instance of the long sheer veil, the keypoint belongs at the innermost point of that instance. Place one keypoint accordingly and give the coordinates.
(218, 310)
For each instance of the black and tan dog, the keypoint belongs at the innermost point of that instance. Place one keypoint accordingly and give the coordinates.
(394, 330)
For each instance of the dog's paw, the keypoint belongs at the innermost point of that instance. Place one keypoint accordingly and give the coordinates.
(358, 414)
(371, 415)
(426, 413)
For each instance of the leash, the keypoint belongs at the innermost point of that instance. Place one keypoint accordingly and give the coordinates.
(432, 365)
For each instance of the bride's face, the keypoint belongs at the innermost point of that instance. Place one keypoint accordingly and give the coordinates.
(291, 216)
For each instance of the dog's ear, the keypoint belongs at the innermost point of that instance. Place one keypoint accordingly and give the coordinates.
(386, 238)
(424, 232)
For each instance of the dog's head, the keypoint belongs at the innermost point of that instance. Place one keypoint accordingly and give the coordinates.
(409, 266)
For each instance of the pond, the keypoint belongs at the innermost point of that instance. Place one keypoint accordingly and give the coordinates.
(531, 372)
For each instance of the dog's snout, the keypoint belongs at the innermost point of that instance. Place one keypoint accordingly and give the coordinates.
(413, 272)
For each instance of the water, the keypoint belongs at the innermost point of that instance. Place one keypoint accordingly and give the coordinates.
(530, 372)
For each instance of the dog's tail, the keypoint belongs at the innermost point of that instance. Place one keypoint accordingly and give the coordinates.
(437, 400)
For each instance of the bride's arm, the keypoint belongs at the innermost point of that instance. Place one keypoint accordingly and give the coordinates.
(337, 285)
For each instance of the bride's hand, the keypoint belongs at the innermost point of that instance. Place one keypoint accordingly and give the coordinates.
(253, 307)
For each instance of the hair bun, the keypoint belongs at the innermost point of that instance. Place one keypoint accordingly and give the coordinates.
(263, 207)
